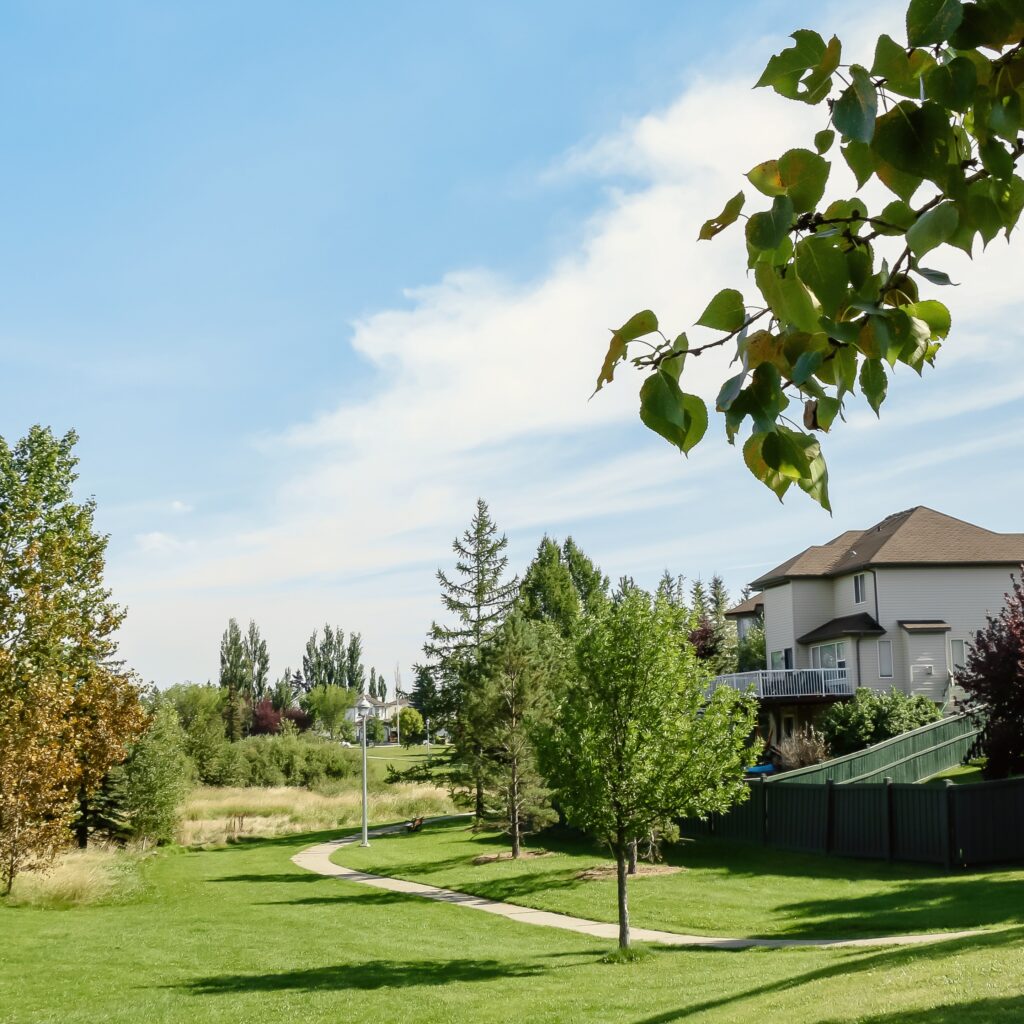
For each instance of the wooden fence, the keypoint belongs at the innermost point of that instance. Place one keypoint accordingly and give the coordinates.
(955, 826)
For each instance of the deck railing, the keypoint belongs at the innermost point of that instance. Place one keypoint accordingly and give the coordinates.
(790, 682)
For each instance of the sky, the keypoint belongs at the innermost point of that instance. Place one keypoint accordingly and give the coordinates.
(308, 279)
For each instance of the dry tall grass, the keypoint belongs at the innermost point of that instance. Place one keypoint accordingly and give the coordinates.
(99, 874)
(222, 814)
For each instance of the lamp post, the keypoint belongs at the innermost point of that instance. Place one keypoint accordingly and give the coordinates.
(364, 707)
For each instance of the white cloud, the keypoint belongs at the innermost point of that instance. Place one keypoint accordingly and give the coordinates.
(481, 389)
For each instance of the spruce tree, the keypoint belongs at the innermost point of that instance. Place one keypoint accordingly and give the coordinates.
(477, 596)
(591, 584)
(548, 592)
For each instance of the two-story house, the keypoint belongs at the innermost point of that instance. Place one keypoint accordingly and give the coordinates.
(891, 606)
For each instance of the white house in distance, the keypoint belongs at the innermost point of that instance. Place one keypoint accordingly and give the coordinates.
(385, 710)
(891, 606)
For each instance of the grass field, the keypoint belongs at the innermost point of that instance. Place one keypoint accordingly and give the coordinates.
(240, 934)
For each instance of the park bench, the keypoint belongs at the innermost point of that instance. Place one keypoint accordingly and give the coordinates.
(415, 825)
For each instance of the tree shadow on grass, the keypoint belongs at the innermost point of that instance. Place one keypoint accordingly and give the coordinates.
(850, 963)
(371, 974)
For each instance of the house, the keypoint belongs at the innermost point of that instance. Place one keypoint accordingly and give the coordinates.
(385, 710)
(891, 606)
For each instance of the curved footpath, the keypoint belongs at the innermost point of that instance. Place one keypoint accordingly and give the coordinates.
(318, 859)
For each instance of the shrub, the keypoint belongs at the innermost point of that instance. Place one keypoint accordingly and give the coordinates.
(290, 760)
(803, 748)
(266, 719)
(871, 717)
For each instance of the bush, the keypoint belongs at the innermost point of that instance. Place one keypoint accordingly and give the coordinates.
(871, 717)
(289, 760)
(802, 749)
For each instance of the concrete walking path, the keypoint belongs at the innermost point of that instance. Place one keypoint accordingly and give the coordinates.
(318, 859)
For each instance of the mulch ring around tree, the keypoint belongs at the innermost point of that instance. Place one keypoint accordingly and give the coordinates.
(491, 858)
(606, 871)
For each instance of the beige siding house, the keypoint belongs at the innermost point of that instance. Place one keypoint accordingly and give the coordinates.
(891, 606)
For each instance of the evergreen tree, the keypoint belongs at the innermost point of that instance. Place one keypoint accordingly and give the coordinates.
(477, 596)
(355, 673)
(699, 599)
(719, 603)
(234, 677)
(282, 695)
(591, 584)
(426, 696)
(258, 663)
(516, 695)
(548, 592)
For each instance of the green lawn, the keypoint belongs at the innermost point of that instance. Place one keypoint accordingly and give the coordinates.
(725, 889)
(242, 935)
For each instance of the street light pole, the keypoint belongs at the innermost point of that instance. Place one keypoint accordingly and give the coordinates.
(364, 707)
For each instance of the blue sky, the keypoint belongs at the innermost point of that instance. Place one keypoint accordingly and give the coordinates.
(309, 278)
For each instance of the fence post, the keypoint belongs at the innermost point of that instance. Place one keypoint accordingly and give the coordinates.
(763, 791)
(952, 844)
(887, 820)
(830, 814)
(946, 817)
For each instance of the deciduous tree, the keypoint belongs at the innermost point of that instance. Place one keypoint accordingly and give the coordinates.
(842, 287)
(636, 742)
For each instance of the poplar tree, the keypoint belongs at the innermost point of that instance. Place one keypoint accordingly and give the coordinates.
(355, 672)
(476, 596)
(234, 677)
(258, 663)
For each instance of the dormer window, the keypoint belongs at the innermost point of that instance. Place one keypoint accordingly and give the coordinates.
(860, 589)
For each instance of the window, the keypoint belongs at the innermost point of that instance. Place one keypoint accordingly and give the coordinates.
(831, 656)
(777, 661)
(860, 590)
(885, 659)
(787, 657)
(788, 725)
(958, 654)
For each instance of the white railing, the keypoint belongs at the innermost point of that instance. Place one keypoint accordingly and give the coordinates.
(790, 682)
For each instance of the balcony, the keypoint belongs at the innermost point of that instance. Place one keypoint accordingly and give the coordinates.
(787, 683)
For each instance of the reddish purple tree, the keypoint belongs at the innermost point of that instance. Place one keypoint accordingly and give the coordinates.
(705, 639)
(302, 719)
(266, 719)
(994, 682)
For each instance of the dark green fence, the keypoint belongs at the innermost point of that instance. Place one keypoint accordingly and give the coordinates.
(910, 757)
(956, 826)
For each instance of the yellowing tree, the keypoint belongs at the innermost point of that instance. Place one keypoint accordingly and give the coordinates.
(68, 710)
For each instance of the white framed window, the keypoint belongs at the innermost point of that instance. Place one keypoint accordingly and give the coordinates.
(885, 659)
(832, 656)
(777, 659)
(860, 588)
(957, 654)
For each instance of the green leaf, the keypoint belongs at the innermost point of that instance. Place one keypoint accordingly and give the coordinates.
(915, 140)
(874, 382)
(933, 313)
(805, 366)
(730, 391)
(938, 277)
(724, 312)
(804, 175)
(644, 322)
(855, 111)
(728, 216)
(753, 457)
(673, 364)
(933, 228)
(904, 185)
(681, 419)
(933, 21)
(825, 411)
(860, 158)
(996, 159)
(899, 214)
(823, 140)
(788, 298)
(902, 72)
(823, 268)
(952, 85)
(803, 71)
(781, 453)
(767, 230)
(815, 483)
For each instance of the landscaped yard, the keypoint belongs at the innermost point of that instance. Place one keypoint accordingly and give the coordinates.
(241, 934)
(724, 888)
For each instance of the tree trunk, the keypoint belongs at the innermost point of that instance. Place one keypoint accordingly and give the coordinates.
(479, 779)
(620, 875)
(632, 857)
(514, 813)
(82, 825)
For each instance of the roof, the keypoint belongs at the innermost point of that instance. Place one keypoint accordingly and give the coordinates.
(860, 624)
(918, 536)
(925, 626)
(753, 605)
